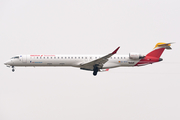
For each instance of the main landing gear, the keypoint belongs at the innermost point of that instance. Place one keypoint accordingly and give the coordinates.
(13, 69)
(95, 70)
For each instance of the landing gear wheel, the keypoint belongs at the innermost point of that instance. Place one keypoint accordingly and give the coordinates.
(94, 73)
(13, 69)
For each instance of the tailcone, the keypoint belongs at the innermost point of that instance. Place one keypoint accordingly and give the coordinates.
(160, 59)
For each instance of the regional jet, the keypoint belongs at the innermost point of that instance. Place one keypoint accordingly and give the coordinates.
(94, 63)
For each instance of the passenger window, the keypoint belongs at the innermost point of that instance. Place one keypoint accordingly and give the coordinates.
(79, 57)
(71, 57)
(54, 57)
(47, 57)
(61, 57)
(74, 57)
(85, 57)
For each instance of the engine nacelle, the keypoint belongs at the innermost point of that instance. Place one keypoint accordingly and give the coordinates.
(135, 56)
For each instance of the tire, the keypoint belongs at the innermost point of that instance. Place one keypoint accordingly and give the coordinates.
(94, 73)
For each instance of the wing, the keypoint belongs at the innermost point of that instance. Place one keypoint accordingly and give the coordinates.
(98, 62)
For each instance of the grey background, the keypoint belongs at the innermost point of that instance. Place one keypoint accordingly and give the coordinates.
(89, 27)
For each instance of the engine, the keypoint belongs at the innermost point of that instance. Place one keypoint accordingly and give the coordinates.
(135, 56)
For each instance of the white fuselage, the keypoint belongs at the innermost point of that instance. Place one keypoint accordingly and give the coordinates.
(70, 60)
(93, 63)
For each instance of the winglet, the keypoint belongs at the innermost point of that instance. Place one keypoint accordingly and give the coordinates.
(114, 52)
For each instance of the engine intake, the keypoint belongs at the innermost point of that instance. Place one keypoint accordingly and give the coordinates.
(136, 56)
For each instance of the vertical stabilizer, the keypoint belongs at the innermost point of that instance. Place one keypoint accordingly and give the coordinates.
(159, 49)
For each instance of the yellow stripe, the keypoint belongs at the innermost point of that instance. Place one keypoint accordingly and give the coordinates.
(157, 45)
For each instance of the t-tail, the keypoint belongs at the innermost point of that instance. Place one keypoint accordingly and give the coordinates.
(155, 54)
(159, 49)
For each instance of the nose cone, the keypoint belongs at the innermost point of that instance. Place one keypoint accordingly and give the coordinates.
(8, 62)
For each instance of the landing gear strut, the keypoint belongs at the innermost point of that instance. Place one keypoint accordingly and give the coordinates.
(13, 69)
(95, 70)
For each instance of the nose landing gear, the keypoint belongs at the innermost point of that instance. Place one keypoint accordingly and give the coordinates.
(13, 69)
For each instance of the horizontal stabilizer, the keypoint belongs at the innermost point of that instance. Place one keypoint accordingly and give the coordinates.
(163, 45)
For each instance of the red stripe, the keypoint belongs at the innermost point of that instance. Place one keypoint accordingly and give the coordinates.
(147, 60)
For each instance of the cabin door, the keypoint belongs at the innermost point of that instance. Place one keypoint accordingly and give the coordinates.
(24, 58)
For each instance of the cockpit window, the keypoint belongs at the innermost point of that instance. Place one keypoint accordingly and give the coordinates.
(16, 57)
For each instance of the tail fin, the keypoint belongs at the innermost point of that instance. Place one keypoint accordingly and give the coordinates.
(158, 49)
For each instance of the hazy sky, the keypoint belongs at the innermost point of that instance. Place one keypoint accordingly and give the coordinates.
(89, 27)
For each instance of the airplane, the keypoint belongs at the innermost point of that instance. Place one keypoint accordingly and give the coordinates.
(95, 63)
